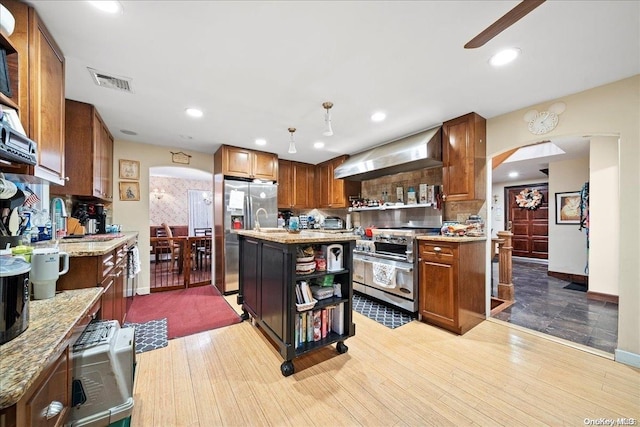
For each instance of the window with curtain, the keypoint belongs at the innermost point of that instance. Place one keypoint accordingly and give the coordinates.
(200, 210)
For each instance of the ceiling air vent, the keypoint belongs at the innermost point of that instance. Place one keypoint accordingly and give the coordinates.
(112, 82)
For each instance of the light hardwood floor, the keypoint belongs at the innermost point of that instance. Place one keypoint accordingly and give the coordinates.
(414, 375)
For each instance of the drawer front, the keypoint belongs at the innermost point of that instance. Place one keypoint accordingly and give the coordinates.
(108, 262)
(438, 252)
(49, 404)
(121, 253)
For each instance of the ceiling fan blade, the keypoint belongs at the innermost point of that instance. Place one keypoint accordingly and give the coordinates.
(507, 20)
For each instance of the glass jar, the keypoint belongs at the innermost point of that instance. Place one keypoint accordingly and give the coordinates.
(475, 226)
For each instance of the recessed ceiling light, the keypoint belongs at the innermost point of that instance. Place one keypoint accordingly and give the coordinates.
(318, 144)
(513, 174)
(110, 6)
(378, 117)
(261, 141)
(128, 132)
(504, 57)
(193, 112)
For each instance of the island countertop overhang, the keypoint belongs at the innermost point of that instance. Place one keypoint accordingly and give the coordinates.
(297, 238)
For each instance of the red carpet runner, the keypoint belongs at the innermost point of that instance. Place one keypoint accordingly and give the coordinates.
(188, 311)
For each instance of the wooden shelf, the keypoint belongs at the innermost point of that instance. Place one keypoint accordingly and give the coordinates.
(5, 100)
(6, 44)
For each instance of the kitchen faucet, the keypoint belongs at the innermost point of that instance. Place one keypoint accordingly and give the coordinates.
(256, 226)
(58, 213)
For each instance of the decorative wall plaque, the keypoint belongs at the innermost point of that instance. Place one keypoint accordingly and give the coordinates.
(180, 157)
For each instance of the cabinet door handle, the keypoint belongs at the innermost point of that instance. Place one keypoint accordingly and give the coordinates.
(437, 249)
(109, 264)
(66, 178)
(53, 410)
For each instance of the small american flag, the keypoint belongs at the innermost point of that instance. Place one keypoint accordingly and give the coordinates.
(31, 199)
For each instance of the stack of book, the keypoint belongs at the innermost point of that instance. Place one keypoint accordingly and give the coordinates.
(314, 325)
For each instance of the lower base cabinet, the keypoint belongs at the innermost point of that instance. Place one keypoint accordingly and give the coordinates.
(268, 294)
(452, 284)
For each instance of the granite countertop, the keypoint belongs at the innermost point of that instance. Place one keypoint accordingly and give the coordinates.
(51, 321)
(92, 246)
(461, 239)
(302, 237)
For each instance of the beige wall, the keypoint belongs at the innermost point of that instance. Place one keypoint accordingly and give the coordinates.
(610, 110)
(567, 243)
(134, 216)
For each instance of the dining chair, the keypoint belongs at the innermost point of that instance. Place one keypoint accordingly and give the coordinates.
(203, 247)
(174, 247)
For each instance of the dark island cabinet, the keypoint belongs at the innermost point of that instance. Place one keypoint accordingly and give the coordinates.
(267, 294)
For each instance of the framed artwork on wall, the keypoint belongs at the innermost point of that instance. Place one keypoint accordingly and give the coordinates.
(568, 208)
(129, 169)
(129, 190)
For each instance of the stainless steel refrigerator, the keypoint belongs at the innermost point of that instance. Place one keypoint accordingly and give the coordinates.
(238, 209)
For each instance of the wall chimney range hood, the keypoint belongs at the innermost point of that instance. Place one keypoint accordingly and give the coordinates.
(420, 151)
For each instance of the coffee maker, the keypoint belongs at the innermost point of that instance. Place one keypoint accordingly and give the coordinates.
(97, 213)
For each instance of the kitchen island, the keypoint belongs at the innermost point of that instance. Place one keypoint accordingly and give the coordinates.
(35, 366)
(267, 292)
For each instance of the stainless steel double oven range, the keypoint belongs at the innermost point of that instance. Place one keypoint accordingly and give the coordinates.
(386, 267)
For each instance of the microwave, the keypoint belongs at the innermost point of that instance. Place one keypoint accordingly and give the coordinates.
(333, 223)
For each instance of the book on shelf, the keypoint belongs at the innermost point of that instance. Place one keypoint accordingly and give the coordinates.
(337, 321)
(325, 321)
(309, 330)
(296, 333)
(317, 325)
(306, 292)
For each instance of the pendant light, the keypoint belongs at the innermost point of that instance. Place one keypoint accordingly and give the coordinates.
(328, 131)
(292, 143)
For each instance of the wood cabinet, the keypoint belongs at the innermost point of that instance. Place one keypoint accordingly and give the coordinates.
(296, 185)
(89, 148)
(108, 271)
(464, 158)
(51, 401)
(334, 193)
(243, 163)
(41, 90)
(268, 279)
(451, 284)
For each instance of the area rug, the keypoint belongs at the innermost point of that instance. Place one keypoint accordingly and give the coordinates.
(387, 316)
(150, 335)
(576, 287)
(188, 311)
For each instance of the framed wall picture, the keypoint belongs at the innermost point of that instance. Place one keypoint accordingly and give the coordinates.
(129, 190)
(568, 208)
(129, 169)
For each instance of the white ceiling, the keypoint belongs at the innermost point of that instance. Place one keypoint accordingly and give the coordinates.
(257, 68)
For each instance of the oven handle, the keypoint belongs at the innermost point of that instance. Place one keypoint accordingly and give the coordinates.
(405, 269)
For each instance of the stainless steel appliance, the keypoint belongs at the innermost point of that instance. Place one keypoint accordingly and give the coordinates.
(333, 223)
(14, 297)
(385, 267)
(238, 209)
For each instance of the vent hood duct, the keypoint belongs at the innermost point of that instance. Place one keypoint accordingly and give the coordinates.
(420, 151)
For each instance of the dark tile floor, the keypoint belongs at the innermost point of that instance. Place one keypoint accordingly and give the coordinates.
(542, 304)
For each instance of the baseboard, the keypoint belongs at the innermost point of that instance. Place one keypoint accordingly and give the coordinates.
(575, 278)
(628, 358)
(602, 297)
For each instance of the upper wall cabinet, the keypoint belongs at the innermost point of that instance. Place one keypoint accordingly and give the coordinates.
(89, 148)
(40, 89)
(243, 163)
(334, 193)
(296, 185)
(464, 158)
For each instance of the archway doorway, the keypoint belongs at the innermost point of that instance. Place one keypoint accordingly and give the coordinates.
(547, 298)
(180, 221)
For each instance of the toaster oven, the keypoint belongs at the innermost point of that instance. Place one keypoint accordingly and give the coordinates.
(333, 223)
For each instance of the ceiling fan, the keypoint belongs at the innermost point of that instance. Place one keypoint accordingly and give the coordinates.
(507, 20)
